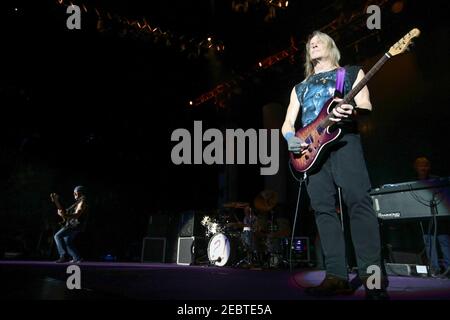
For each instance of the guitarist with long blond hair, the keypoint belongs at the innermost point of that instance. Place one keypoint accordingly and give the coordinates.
(343, 166)
(72, 219)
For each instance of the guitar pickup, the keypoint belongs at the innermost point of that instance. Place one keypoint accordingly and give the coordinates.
(319, 130)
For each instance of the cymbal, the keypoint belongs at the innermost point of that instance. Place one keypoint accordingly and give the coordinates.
(236, 205)
(266, 200)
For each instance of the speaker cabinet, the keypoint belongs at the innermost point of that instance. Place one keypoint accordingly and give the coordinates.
(192, 250)
(158, 225)
(153, 250)
(190, 224)
(185, 252)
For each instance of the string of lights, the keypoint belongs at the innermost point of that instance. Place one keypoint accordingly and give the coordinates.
(243, 5)
(271, 6)
(224, 88)
(107, 21)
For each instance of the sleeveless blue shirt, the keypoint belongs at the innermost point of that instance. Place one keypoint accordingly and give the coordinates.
(313, 92)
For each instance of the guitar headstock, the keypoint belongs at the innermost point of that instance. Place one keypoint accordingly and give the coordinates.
(54, 197)
(403, 44)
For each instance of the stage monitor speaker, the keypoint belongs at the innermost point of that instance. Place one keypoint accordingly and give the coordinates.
(406, 270)
(153, 250)
(185, 252)
(398, 269)
(192, 250)
(190, 224)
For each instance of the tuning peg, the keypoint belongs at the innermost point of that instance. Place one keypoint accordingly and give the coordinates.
(409, 48)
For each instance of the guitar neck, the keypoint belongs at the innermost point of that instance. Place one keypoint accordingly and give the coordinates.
(351, 95)
(58, 204)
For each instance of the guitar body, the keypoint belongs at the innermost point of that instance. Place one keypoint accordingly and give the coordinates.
(317, 137)
(67, 221)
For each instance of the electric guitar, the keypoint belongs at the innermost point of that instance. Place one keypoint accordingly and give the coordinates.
(67, 220)
(320, 133)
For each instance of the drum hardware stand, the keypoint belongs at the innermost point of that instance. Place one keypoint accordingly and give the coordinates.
(213, 262)
(250, 255)
(247, 260)
(272, 255)
(283, 256)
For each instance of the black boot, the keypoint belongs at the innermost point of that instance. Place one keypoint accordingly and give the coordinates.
(331, 286)
(61, 259)
(376, 294)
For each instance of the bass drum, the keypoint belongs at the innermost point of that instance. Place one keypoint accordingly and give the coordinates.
(222, 250)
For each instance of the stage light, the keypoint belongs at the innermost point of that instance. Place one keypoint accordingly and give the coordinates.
(260, 65)
(209, 39)
(398, 6)
(191, 103)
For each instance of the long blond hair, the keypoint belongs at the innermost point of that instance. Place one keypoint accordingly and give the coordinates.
(333, 50)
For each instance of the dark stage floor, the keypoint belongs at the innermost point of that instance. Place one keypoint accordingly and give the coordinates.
(47, 280)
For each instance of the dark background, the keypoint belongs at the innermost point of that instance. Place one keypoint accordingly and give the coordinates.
(97, 106)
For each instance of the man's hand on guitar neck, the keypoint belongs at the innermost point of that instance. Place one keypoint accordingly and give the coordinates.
(342, 111)
(55, 199)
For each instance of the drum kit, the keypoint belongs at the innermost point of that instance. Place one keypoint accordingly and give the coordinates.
(238, 243)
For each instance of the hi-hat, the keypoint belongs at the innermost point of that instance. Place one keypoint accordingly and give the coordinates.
(236, 205)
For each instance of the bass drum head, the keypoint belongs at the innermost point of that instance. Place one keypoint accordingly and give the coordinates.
(220, 250)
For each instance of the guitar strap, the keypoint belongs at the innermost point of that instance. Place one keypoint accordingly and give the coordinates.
(340, 78)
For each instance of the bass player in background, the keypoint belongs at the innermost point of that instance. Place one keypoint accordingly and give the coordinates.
(73, 218)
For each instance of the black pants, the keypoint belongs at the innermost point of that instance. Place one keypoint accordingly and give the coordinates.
(344, 167)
